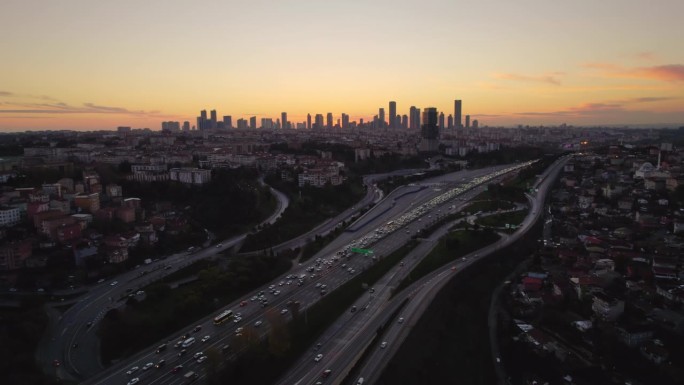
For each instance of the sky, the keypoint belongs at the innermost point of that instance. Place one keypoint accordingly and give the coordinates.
(95, 64)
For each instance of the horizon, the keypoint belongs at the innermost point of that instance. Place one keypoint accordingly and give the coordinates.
(89, 66)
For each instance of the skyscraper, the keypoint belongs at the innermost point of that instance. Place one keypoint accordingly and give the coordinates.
(212, 124)
(308, 121)
(186, 126)
(381, 118)
(252, 123)
(404, 121)
(414, 118)
(318, 121)
(429, 131)
(392, 114)
(475, 123)
(202, 121)
(441, 120)
(228, 121)
(329, 120)
(467, 125)
(457, 114)
(345, 120)
(283, 120)
(450, 121)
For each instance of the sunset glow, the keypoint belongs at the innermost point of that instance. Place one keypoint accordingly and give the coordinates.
(96, 65)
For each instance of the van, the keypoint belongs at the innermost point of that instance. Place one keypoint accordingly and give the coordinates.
(188, 342)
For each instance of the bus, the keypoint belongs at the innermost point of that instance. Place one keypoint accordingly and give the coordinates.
(223, 317)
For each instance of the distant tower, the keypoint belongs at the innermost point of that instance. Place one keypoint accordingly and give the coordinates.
(228, 121)
(441, 120)
(429, 131)
(308, 121)
(476, 124)
(467, 121)
(329, 120)
(404, 121)
(212, 125)
(283, 120)
(450, 121)
(186, 126)
(381, 118)
(457, 114)
(392, 114)
(252, 123)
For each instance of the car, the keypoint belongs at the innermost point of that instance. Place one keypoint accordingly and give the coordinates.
(283, 312)
(225, 348)
(147, 366)
(198, 355)
(257, 324)
(197, 328)
(140, 292)
(276, 292)
(160, 364)
(254, 298)
(318, 346)
(353, 309)
(133, 381)
(160, 348)
(114, 283)
(205, 338)
(177, 369)
(238, 330)
(383, 345)
(237, 319)
(401, 320)
(182, 352)
(56, 363)
(453, 268)
(201, 359)
(318, 284)
(219, 245)
(89, 323)
(326, 373)
(132, 370)
(100, 280)
(318, 357)
(243, 303)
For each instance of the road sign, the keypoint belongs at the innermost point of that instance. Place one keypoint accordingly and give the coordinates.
(362, 251)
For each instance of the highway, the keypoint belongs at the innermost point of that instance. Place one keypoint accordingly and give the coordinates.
(418, 297)
(103, 296)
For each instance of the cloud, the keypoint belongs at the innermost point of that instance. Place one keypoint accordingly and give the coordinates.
(586, 109)
(64, 108)
(667, 73)
(549, 78)
(6, 93)
(647, 55)
(650, 99)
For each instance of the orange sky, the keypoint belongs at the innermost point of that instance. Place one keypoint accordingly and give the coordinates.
(97, 65)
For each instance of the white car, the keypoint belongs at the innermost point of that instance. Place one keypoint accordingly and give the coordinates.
(132, 370)
(283, 312)
(238, 330)
(133, 381)
(148, 366)
(205, 338)
(201, 359)
(113, 283)
(401, 320)
(318, 357)
(198, 355)
(257, 324)
(383, 344)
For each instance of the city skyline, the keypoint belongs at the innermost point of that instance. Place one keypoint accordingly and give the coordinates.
(91, 65)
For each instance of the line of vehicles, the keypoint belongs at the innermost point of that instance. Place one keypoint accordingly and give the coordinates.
(391, 226)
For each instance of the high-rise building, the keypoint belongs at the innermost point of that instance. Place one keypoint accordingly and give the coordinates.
(467, 124)
(308, 121)
(283, 120)
(450, 121)
(441, 120)
(228, 121)
(429, 131)
(414, 118)
(202, 123)
(267, 123)
(475, 123)
(252, 123)
(457, 113)
(212, 124)
(345, 120)
(186, 126)
(381, 118)
(329, 120)
(392, 114)
(318, 121)
(404, 121)
(242, 124)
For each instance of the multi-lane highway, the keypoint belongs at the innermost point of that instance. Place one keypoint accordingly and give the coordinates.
(418, 297)
(329, 272)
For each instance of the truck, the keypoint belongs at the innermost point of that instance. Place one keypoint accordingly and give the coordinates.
(190, 377)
